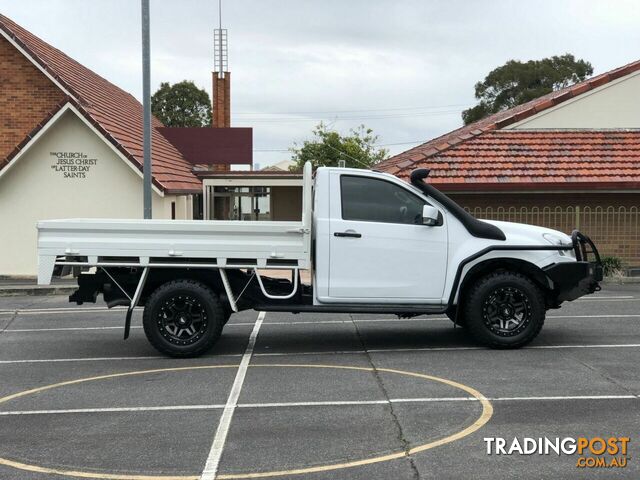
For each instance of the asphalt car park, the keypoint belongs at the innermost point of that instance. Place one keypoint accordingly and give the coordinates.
(312, 396)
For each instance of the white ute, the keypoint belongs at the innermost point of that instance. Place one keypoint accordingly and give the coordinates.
(371, 242)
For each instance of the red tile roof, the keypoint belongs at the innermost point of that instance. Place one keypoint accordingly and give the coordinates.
(114, 112)
(453, 145)
(539, 160)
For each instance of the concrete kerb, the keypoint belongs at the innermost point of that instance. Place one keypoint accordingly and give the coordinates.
(33, 290)
(621, 280)
(27, 285)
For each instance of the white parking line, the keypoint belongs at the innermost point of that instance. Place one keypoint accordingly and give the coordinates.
(534, 347)
(605, 298)
(594, 316)
(313, 322)
(112, 409)
(85, 359)
(213, 460)
(63, 329)
(332, 352)
(329, 403)
(62, 310)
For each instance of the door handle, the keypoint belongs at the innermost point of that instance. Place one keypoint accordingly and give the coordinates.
(347, 234)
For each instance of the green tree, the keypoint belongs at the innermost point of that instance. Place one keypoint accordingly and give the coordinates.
(517, 82)
(181, 105)
(358, 148)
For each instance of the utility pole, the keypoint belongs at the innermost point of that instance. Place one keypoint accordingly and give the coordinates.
(146, 107)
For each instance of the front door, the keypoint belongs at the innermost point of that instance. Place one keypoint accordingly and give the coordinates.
(380, 252)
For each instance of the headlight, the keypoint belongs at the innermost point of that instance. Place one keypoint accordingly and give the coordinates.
(554, 240)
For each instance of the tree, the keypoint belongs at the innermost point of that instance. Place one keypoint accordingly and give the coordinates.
(181, 105)
(327, 147)
(516, 82)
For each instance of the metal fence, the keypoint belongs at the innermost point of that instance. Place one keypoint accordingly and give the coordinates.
(615, 230)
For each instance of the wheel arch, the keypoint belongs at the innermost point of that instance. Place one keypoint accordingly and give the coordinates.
(160, 276)
(517, 265)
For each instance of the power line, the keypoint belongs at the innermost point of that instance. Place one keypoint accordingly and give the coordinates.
(354, 110)
(338, 118)
(377, 145)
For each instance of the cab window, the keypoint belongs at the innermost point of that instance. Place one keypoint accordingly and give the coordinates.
(374, 200)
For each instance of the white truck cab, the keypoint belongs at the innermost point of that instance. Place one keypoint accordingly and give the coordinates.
(371, 242)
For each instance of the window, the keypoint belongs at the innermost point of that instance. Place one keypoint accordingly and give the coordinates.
(373, 200)
(240, 203)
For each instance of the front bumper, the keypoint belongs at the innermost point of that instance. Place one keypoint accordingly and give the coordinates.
(572, 280)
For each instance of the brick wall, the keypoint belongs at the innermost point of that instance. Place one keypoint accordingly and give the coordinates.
(26, 97)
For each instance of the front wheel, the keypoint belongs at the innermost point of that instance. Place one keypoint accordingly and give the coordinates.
(504, 310)
(183, 318)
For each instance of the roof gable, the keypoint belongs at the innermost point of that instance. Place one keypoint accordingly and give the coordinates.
(403, 163)
(116, 113)
(615, 104)
(32, 138)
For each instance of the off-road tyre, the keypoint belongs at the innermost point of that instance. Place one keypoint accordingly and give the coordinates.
(504, 310)
(183, 318)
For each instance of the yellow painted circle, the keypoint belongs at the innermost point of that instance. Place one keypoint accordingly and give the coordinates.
(487, 412)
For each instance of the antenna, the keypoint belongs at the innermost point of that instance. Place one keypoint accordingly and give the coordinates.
(220, 46)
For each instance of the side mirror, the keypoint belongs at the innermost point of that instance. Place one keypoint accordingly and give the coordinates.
(429, 215)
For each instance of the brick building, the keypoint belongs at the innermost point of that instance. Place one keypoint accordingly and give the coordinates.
(568, 159)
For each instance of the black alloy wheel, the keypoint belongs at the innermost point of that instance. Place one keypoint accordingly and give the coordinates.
(504, 310)
(183, 318)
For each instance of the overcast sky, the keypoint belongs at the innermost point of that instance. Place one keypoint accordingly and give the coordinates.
(406, 68)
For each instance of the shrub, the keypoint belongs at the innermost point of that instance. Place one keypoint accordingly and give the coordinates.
(611, 266)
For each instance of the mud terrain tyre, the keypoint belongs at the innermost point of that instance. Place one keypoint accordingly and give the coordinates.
(183, 318)
(504, 310)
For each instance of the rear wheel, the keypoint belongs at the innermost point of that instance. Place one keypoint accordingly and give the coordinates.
(183, 318)
(504, 310)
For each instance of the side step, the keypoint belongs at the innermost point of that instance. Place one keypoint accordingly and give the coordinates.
(396, 309)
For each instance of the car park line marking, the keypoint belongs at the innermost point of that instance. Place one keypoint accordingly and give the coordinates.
(566, 397)
(316, 322)
(213, 460)
(105, 359)
(487, 412)
(328, 403)
(112, 410)
(64, 329)
(605, 297)
(604, 345)
(61, 310)
(594, 316)
(87, 359)
(533, 347)
(438, 349)
(293, 354)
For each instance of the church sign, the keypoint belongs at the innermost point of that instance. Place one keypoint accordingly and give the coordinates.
(72, 164)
